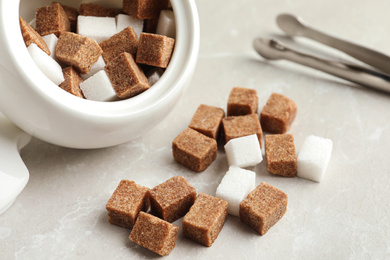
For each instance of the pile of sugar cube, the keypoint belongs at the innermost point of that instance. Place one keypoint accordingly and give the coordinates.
(203, 215)
(100, 53)
(173, 199)
(259, 207)
(242, 132)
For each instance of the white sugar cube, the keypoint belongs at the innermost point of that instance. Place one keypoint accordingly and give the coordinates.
(235, 186)
(98, 88)
(51, 42)
(46, 64)
(314, 157)
(155, 75)
(123, 21)
(166, 24)
(97, 28)
(96, 67)
(244, 151)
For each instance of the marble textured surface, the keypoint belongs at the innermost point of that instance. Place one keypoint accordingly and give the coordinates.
(61, 213)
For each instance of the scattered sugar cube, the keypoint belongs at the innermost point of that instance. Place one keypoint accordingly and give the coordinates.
(97, 28)
(244, 151)
(242, 101)
(124, 20)
(155, 50)
(51, 42)
(72, 82)
(154, 75)
(278, 114)
(205, 220)
(96, 67)
(314, 157)
(146, 9)
(124, 41)
(207, 120)
(126, 77)
(92, 9)
(166, 24)
(78, 51)
(31, 36)
(235, 186)
(126, 203)
(52, 19)
(194, 150)
(46, 64)
(263, 208)
(98, 88)
(280, 154)
(239, 126)
(154, 234)
(172, 199)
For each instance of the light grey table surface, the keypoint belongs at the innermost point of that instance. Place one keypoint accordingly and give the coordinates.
(61, 212)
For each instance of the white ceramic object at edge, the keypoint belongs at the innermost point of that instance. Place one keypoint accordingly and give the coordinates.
(13, 173)
(40, 108)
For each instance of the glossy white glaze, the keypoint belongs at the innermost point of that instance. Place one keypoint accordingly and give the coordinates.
(13, 173)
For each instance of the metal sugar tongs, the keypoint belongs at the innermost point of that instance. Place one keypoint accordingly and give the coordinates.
(293, 26)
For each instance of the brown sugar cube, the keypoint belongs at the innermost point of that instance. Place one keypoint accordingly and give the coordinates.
(242, 101)
(155, 50)
(239, 126)
(278, 114)
(144, 9)
(207, 120)
(172, 199)
(126, 77)
(205, 219)
(280, 154)
(72, 82)
(124, 41)
(126, 203)
(31, 36)
(52, 19)
(194, 150)
(91, 9)
(72, 14)
(154, 234)
(263, 207)
(78, 51)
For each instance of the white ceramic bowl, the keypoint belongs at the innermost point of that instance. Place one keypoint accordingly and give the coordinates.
(32, 102)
